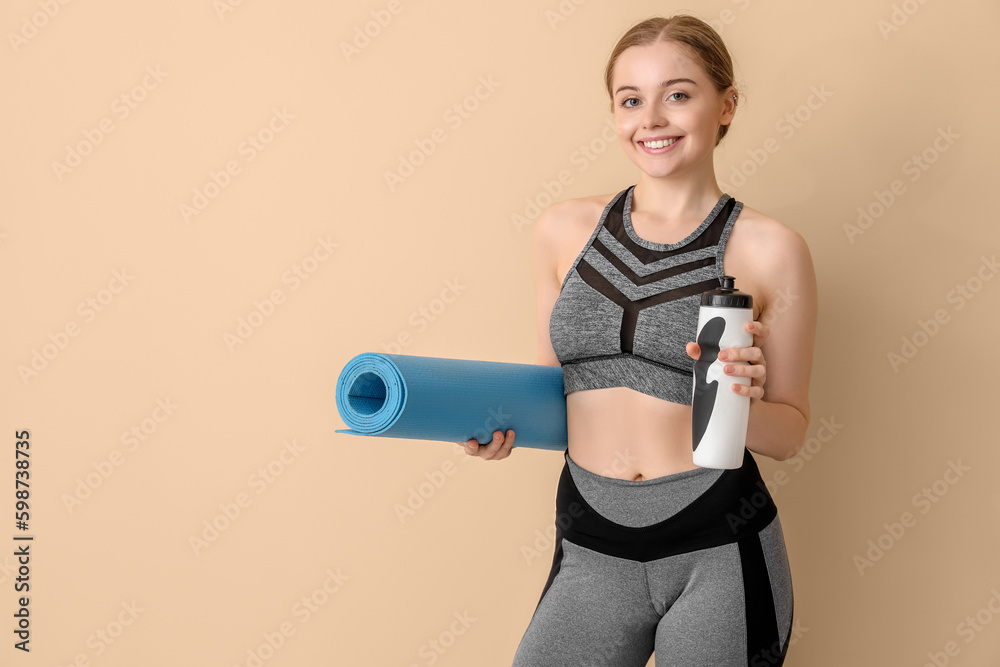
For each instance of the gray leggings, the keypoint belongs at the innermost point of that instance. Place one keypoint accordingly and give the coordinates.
(692, 565)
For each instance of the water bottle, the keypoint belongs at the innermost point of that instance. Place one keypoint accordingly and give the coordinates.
(718, 414)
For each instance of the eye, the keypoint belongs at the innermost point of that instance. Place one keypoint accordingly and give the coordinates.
(624, 103)
(679, 93)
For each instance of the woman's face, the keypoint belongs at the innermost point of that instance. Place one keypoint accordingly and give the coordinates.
(688, 109)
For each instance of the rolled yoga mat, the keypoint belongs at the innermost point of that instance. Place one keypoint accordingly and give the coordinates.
(452, 400)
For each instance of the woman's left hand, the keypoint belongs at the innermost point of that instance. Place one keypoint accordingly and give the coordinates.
(755, 369)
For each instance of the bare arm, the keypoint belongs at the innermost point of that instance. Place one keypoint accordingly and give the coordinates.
(778, 420)
(547, 279)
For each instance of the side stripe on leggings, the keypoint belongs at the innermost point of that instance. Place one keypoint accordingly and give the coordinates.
(763, 644)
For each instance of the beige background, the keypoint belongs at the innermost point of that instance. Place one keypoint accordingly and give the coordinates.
(172, 286)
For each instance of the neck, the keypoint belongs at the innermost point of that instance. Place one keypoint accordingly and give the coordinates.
(675, 199)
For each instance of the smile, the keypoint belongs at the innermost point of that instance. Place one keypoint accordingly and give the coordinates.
(660, 145)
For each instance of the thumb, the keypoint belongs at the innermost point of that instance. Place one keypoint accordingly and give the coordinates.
(693, 350)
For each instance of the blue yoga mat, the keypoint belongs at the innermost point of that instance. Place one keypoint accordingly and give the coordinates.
(452, 400)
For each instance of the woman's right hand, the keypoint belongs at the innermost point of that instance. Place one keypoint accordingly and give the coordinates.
(494, 451)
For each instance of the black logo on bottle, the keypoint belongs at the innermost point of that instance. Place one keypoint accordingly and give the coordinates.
(705, 392)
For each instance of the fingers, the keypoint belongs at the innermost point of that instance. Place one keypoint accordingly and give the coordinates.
(759, 330)
(500, 447)
(471, 447)
(752, 354)
(753, 391)
(754, 370)
(762, 331)
(497, 449)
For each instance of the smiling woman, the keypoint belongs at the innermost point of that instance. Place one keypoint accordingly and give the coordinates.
(661, 553)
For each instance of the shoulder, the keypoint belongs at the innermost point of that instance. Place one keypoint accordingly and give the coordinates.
(768, 240)
(777, 255)
(562, 231)
(564, 221)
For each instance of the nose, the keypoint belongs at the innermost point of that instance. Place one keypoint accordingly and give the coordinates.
(654, 115)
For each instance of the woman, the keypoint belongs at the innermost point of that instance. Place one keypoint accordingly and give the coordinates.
(652, 551)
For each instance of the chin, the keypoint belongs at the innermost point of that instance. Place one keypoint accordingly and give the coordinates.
(657, 171)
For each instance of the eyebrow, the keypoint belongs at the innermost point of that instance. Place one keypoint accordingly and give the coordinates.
(663, 84)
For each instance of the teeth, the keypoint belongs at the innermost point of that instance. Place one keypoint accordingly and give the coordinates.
(658, 144)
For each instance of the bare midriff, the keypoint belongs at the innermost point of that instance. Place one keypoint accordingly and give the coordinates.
(622, 433)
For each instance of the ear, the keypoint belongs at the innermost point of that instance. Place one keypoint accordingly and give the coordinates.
(729, 104)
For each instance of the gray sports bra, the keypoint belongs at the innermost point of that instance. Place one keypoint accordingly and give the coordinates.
(628, 306)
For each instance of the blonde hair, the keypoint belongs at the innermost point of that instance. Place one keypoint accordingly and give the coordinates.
(702, 41)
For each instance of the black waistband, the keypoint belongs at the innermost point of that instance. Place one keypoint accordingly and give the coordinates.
(738, 505)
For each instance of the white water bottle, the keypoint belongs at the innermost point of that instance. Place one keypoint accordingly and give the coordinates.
(719, 415)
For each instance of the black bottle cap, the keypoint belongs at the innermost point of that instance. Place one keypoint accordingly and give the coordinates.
(727, 296)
